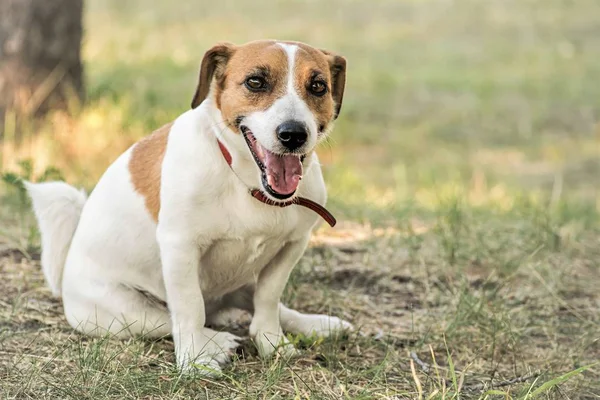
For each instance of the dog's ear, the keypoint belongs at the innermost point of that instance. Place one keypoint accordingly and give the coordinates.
(337, 65)
(213, 66)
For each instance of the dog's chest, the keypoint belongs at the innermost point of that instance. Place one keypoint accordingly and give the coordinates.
(233, 262)
(250, 234)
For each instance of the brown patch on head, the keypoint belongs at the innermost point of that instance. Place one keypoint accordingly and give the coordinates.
(226, 67)
(231, 66)
(263, 59)
(318, 65)
(145, 167)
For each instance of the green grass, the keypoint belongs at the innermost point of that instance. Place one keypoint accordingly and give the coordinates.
(464, 167)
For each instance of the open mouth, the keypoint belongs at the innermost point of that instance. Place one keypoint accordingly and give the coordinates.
(280, 173)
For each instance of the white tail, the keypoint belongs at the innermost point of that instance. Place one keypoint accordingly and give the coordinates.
(57, 207)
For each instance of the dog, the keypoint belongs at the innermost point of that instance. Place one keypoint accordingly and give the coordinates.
(206, 214)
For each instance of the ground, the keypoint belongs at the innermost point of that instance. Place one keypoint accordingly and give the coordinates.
(465, 168)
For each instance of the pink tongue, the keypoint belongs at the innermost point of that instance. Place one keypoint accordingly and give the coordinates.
(283, 172)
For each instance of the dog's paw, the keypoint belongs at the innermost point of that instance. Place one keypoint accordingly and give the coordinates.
(268, 343)
(209, 351)
(322, 325)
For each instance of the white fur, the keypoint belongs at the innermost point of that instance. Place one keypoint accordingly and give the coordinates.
(215, 246)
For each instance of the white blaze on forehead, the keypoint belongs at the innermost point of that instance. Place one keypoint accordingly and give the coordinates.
(291, 104)
(290, 51)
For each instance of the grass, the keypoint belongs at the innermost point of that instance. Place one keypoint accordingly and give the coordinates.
(464, 166)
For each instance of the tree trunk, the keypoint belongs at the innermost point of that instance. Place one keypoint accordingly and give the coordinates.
(40, 56)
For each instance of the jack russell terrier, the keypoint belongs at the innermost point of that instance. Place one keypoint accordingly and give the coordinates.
(208, 213)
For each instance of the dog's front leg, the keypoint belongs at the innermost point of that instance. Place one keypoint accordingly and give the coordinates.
(265, 328)
(196, 347)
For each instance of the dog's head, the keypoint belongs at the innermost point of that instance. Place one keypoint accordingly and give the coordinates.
(280, 98)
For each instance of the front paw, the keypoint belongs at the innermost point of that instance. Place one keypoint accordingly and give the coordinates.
(206, 352)
(269, 343)
(323, 325)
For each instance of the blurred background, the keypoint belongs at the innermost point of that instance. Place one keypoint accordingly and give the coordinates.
(496, 99)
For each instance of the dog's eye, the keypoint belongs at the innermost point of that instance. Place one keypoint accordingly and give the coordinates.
(318, 88)
(256, 84)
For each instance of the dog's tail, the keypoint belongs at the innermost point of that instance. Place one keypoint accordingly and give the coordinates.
(57, 207)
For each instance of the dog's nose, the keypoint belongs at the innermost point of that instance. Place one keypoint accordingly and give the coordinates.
(292, 134)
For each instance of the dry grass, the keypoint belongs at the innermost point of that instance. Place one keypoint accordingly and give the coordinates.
(498, 305)
(466, 153)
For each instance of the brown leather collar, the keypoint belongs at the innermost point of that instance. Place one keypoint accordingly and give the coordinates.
(301, 201)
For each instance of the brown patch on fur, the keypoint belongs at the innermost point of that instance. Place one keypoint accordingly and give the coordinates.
(145, 167)
(311, 64)
(263, 58)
